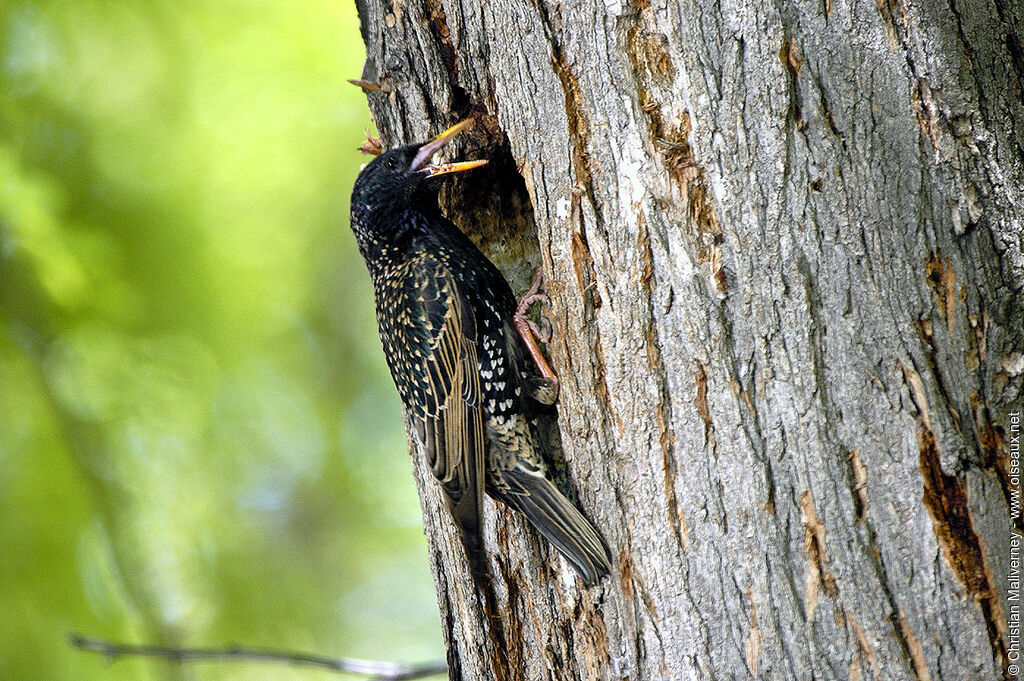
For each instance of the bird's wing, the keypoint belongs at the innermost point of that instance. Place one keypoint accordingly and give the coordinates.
(448, 414)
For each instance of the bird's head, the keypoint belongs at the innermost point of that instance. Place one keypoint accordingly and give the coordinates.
(401, 176)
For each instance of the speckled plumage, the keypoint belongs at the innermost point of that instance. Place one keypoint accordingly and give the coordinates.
(445, 315)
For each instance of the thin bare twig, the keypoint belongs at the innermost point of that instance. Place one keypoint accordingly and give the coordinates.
(380, 671)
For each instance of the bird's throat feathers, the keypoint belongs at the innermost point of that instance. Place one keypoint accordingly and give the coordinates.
(386, 235)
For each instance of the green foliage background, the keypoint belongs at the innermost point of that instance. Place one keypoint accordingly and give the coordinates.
(199, 443)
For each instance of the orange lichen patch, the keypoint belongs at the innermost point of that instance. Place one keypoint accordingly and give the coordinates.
(667, 440)
(579, 126)
(864, 643)
(789, 54)
(889, 10)
(926, 110)
(814, 545)
(651, 52)
(684, 529)
(583, 265)
(927, 331)
(941, 277)
(988, 435)
(601, 378)
(701, 402)
(580, 258)
(637, 586)
(945, 498)
(977, 351)
(701, 209)
(626, 578)
(717, 269)
(600, 639)
(643, 240)
(666, 437)
(917, 390)
(917, 657)
(996, 454)
(752, 647)
(439, 26)
(673, 141)
(860, 484)
(670, 136)
(739, 393)
(653, 68)
(867, 651)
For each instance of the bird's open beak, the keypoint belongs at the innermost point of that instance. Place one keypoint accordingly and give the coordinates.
(422, 160)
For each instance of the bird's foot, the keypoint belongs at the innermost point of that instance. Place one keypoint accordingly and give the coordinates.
(535, 295)
(531, 331)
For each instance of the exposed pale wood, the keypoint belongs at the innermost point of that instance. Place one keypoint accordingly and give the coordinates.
(783, 242)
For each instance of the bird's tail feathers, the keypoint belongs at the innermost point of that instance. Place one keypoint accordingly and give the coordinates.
(560, 522)
(467, 515)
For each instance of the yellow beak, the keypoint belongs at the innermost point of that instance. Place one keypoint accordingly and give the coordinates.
(457, 167)
(427, 151)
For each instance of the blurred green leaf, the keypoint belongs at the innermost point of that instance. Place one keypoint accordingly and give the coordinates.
(199, 442)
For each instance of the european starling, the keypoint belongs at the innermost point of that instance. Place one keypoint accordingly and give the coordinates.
(448, 323)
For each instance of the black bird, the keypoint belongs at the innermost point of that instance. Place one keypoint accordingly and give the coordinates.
(453, 337)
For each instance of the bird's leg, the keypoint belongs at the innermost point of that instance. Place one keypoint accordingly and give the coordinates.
(532, 332)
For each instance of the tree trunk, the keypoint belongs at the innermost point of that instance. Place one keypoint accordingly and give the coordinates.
(783, 243)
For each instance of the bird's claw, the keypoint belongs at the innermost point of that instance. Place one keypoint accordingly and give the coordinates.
(534, 295)
(542, 330)
(529, 299)
(532, 331)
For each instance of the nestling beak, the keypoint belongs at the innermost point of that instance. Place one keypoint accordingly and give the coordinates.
(427, 151)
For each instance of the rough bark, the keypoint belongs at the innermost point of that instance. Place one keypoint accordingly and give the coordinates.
(783, 241)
